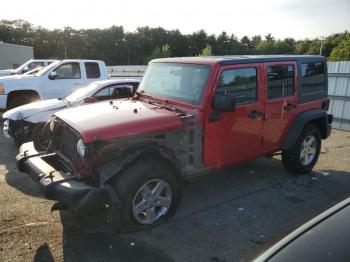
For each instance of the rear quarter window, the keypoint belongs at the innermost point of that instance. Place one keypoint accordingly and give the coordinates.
(312, 81)
(313, 77)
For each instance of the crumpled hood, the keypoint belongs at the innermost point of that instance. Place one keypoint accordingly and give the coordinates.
(28, 110)
(124, 118)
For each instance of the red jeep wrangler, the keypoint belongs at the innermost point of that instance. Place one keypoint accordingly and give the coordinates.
(190, 116)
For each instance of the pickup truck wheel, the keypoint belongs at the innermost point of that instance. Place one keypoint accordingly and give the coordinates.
(149, 192)
(303, 156)
(39, 137)
(21, 99)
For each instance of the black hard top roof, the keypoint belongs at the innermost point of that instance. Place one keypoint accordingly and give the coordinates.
(239, 59)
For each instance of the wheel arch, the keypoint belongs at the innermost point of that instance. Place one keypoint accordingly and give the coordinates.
(11, 95)
(113, 166)
(317, 117)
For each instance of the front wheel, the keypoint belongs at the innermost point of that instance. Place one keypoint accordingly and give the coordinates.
(303, 156)
(149, 192)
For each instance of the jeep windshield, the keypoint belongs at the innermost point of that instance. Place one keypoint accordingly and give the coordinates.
(184, 82)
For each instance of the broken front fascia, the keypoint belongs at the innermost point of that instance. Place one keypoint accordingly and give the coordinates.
(181, 147)
(63, 187)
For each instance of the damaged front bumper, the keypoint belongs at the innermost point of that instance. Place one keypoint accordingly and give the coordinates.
(19, 130)
(6, 128)
(62, 186)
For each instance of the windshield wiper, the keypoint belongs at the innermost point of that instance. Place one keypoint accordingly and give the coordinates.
(167, 107)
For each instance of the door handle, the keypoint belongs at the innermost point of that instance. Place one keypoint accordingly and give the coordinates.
(254, 114)
(289, 107)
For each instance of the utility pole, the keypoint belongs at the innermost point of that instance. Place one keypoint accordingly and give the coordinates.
(322, 38)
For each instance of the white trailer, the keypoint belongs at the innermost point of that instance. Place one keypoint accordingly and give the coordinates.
(12, 56)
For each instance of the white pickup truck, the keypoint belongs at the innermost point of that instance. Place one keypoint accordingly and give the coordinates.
(57, 80)
(27, 66)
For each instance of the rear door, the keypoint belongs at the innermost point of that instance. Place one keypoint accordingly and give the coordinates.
(280, 102)
(232, 137)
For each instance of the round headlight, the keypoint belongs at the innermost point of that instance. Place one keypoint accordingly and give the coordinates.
(81, 148)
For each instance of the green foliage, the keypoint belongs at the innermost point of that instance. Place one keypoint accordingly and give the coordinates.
(117, 47)
(165, 51)
(341, 52)
(207, 51)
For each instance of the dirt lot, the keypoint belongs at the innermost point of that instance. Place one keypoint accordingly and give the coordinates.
(229, 216)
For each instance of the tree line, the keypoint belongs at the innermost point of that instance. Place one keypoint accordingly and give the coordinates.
(115, 46)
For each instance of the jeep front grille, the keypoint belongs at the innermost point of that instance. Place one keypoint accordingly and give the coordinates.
(65, 141)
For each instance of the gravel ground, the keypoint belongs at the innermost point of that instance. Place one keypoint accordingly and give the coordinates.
(227, 216)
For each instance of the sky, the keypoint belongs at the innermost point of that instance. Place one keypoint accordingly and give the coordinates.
(299, 19)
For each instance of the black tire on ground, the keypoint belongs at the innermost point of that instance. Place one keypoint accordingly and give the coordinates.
(128, 184)
(39, 137)
(21, 99)
(291, 159)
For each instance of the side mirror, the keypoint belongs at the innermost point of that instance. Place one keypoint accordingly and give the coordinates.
(89, 100)
(224, 103)
(53, 75)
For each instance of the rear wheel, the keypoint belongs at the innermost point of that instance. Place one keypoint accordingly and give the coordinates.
(303, 156)
(149, 192)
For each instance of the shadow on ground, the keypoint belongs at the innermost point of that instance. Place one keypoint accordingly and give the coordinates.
(225, 216)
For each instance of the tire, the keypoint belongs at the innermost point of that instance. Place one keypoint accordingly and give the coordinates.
(21, 99)
(297, 159)
(39, 137)
(129, 187)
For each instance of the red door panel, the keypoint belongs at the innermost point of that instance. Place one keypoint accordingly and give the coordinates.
(279, 111)
(236, 136)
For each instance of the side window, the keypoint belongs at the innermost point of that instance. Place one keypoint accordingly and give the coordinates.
(280, 81)
(123, 91)
(117, 91)
(32, 66)
(106, 92)
(242, 83)
(35, 65)
(68, 71)
(313, 77)
(92, 70)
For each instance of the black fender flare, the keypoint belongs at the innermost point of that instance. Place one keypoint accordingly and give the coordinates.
(111, 168)
(300, 121)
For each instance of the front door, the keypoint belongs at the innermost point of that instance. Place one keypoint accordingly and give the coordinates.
(68, 79)
(231, 137)
(280, 102)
